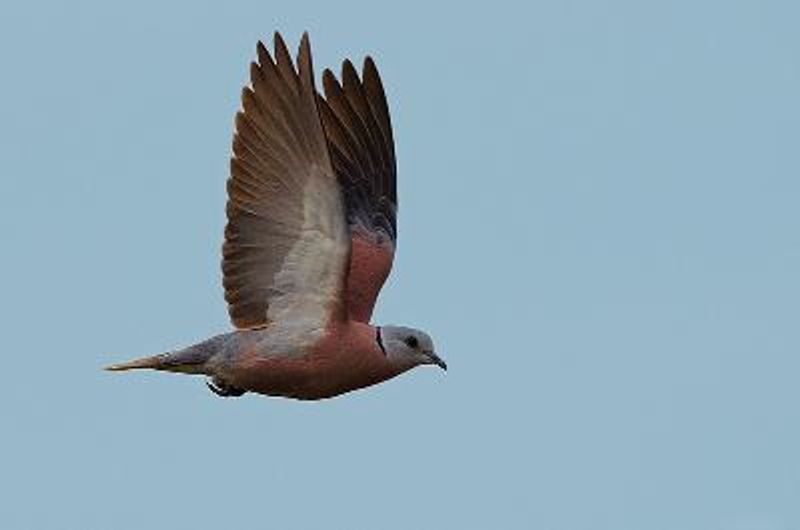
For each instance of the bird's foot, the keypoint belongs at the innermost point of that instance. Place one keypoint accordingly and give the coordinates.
(223, 389)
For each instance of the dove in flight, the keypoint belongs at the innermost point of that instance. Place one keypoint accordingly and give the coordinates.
(310, 239)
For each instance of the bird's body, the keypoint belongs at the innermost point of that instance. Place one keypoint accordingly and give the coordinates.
(330, 362)
(309, 242)
(345, 358)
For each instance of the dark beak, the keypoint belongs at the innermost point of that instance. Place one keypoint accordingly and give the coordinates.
(438, 361)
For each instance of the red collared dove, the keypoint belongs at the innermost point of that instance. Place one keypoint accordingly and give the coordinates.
(310, 240)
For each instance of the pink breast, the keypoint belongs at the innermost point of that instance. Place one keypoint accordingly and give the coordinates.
(370, 263)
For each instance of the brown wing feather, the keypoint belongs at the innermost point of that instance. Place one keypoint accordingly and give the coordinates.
(286, 246)
(359, 133)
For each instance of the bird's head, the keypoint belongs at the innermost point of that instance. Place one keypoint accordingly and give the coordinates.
(407, 347)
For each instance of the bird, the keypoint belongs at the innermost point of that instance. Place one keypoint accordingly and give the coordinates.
(309, 240)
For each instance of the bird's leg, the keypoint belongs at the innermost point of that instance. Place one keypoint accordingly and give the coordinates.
(223, 389)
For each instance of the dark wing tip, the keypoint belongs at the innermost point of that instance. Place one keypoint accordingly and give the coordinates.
(348, 68)
(370, 73)
(330, 84)
(304, 65)
(264, 57)
(305, 45)
(277, 38)
(281, 51)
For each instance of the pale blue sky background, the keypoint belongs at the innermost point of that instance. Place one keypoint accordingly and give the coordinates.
(599, 226)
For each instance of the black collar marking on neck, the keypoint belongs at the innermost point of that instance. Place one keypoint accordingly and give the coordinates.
(379, 339)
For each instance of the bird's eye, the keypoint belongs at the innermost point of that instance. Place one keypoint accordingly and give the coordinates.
(412, 342)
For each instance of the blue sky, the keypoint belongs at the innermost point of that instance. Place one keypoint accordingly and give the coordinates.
(599, 226)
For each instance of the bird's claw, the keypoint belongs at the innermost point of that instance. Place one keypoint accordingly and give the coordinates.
(223, 389)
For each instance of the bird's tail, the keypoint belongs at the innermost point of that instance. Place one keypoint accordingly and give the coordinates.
(154, 362)
(191, 360)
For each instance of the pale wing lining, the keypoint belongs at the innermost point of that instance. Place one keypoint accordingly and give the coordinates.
(312, 276)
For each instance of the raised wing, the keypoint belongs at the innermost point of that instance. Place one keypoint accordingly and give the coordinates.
(359, 132)
(286, 244)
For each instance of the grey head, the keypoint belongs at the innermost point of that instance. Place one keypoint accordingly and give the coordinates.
(408, 347)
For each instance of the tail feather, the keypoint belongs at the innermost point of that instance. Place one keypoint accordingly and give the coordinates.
(154, 362)
(191, 360)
